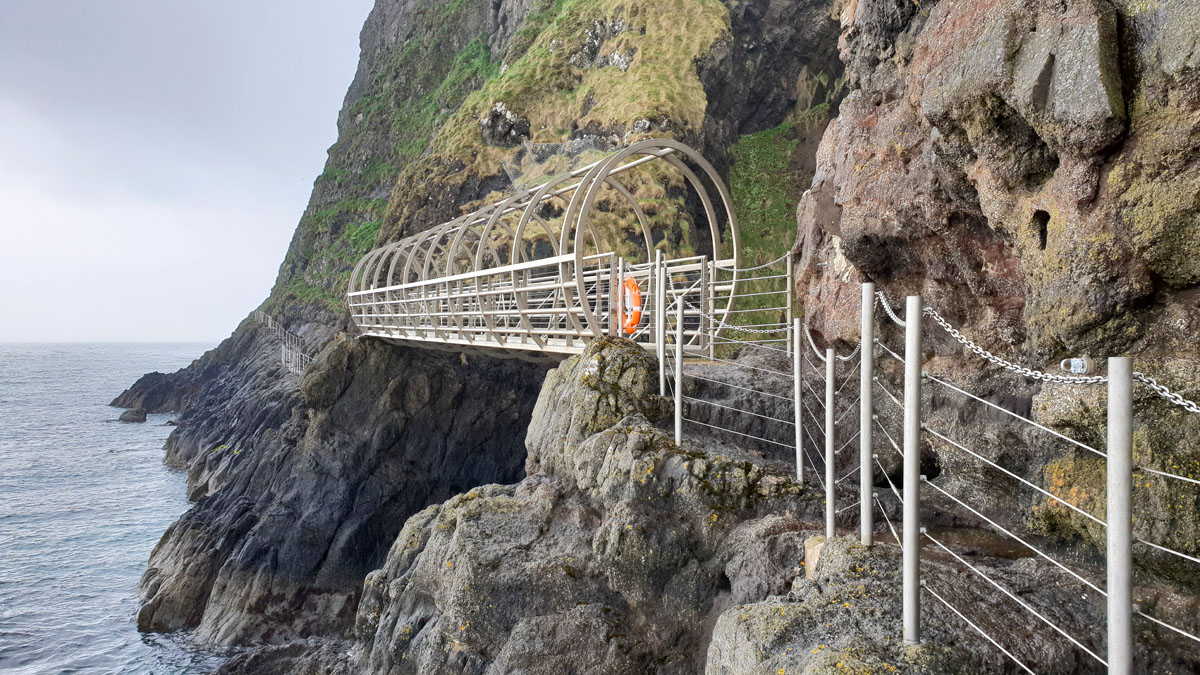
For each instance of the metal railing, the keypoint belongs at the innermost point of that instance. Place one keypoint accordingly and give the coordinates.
(292, 355)
(822, 424)
(543, 272)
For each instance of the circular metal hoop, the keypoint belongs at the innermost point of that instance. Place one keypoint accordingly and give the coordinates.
(478, 282)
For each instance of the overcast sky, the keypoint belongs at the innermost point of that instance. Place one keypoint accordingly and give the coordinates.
(155, 156)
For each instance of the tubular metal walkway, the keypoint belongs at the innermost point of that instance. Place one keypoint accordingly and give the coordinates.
(545, 271)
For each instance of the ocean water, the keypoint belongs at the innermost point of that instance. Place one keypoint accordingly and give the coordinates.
(83, 501)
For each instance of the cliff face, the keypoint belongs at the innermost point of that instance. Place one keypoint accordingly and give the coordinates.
(291, 522)
(1030, 169)
(300, 492)
(1027, 165)
(622, 552)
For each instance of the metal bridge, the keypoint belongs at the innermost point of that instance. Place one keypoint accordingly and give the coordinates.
(545, 271)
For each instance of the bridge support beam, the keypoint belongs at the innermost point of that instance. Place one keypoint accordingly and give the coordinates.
(912, 471)
(1120, 516)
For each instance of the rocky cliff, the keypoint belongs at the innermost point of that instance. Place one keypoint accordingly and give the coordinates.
(1030, 169)
(622, 552)
(1027, 165)
(301, 490)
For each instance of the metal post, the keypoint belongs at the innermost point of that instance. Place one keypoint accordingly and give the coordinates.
(620, 297)
(790, 311)
(829, 436)
(706, 301)
(1120, 516)
(912, 471)
(866, 411)
(796, 394)
(660, 320)
(614, 297)
(679, 376)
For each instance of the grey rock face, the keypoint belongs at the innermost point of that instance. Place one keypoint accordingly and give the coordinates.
(617, 551)
(503, 127)
(133, 415)
(279, 548)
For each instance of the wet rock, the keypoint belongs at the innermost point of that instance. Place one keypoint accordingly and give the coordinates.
(294, 520)
(133, 415)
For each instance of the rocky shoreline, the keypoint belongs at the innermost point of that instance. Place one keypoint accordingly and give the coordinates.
(401, 510)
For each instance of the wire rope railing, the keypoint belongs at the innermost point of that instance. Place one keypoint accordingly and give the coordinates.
(822, 421)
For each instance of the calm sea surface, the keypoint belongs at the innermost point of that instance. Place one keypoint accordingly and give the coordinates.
(83, 500)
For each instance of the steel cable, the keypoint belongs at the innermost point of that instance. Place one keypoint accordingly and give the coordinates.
(1014, 598)
(979, 630)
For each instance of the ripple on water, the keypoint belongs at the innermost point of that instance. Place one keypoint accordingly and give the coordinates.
(83, 501)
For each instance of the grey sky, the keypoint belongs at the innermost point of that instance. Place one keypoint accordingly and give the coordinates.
(155, 156)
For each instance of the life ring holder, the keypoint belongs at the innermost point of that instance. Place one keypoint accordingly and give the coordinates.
(631, 302)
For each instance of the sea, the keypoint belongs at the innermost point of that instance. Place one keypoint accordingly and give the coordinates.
(83, 500)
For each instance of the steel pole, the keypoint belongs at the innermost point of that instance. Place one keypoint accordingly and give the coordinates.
(797, 392)
(679, 375)
(1120, 516)
(866, 411)
(660, 319)
(912, 471)
(620, 297)
(829, 437)
(791, 313)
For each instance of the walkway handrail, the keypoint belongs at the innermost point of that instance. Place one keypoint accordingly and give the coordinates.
(764, 424)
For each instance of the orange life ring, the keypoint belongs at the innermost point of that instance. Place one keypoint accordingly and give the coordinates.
(632, 296)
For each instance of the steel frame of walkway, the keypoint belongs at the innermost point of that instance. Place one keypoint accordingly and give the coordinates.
(509, 280)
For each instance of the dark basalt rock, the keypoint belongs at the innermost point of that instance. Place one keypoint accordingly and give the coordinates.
(133, 415)
(503, 128)
(290, 520)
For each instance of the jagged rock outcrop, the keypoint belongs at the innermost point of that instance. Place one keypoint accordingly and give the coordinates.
(621, 552)
(1028, 167)
(615, 554)
(290, 523)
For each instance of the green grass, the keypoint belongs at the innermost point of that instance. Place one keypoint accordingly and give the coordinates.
(764, 200)
(299, 291)
(414, 120)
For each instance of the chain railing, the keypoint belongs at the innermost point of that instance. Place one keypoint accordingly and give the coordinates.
(818, 421)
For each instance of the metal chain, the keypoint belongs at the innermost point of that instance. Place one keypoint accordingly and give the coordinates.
(733, 326)
(818, 352)
(888, 308)
(1009, 365)
(1162, 391)
(821, 355)
(1138, 376)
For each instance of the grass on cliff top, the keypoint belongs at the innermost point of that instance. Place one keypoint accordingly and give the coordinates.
(663, 37)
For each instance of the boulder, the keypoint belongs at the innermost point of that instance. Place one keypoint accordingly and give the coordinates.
(133, 415)
(614, 555)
